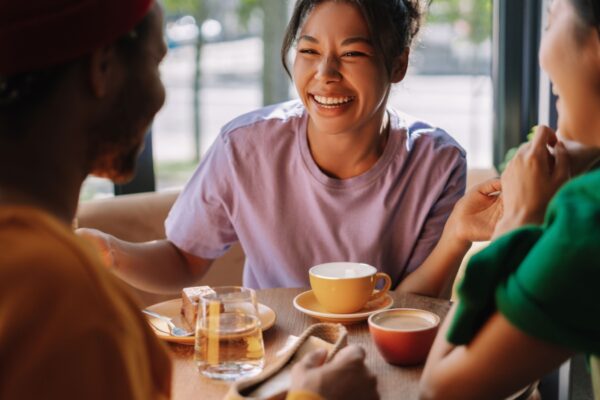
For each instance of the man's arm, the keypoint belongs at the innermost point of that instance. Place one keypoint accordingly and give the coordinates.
(157, 266)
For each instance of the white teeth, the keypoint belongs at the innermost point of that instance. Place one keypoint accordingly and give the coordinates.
(332, 101)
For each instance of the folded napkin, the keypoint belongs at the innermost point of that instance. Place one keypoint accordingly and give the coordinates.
(274, 382)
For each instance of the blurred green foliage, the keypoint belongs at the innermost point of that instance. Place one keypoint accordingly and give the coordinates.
(182, 6)
(476, 15)
(244, 9)
(512, 151)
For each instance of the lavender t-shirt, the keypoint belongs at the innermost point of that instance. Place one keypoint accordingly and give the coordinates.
(259, 185)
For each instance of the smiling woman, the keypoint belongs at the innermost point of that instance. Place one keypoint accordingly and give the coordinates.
(334, 176)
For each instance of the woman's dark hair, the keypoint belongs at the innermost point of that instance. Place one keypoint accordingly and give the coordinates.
(589, 12)
(19, 93)
(392, 24)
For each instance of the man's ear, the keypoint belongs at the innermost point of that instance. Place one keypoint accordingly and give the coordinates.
(400, 66)
(102, 69)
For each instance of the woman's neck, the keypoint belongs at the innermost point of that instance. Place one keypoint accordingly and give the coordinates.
(348, 154)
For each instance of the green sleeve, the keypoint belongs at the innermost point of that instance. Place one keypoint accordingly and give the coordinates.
(484, 271)
(542, 279)
(552, 295)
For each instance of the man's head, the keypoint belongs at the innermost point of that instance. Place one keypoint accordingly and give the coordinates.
(111, 49)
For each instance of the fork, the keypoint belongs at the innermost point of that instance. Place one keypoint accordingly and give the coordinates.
(174, 330)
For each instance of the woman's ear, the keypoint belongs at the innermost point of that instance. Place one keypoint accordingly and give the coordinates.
(101, 70)
(400, 66)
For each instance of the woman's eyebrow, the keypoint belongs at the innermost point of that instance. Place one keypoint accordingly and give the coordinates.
(308, 39)
(357, 39)
(345, 42)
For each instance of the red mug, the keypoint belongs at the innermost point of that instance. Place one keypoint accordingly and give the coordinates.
(404, 336)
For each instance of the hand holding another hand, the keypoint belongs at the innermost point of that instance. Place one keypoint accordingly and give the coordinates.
(345, 377)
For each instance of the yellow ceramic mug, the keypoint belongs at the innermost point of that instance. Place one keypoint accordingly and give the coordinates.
(345, 287)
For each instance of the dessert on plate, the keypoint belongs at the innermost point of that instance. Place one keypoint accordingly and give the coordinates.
(189, 303)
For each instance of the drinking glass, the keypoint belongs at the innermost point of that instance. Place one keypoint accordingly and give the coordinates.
(229, 343)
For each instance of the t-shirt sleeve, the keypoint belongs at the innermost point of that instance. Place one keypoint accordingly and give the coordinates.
(542, 279)
(439, 213)
(201, 220)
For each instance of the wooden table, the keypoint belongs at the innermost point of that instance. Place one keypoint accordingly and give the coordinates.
(393, 382)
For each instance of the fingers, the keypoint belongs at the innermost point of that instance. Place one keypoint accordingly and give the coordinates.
(349, 354)
(313, 359)
(490, 187)
(543, 137)
(562, 170)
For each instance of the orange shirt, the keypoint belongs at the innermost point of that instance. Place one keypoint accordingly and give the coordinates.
(68, 328)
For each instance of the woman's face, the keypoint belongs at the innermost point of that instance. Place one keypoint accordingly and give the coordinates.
(339, 77)
(570, 54)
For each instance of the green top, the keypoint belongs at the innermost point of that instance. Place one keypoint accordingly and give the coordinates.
(542, 278)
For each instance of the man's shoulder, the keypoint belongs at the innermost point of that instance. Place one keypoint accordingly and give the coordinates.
(39, 251)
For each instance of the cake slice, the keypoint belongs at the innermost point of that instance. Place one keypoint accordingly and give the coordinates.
(189, 303)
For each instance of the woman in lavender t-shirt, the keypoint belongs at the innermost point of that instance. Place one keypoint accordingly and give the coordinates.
(333, 176)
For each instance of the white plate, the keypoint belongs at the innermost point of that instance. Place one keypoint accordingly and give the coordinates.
(172, 309)
(307, 303)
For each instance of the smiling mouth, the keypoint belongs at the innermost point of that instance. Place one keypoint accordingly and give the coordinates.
(332, 102)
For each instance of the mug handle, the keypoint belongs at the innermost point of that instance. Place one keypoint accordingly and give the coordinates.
(386, 286)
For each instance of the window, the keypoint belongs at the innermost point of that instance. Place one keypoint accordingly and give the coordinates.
(448, 83)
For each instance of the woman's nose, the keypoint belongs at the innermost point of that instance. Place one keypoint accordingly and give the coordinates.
(328, 69)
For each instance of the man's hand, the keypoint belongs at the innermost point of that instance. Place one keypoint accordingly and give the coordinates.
(345, 377)
(101, 241)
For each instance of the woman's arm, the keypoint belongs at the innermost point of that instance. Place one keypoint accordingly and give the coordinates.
(498, 362)
(157, 266)
(472, 219)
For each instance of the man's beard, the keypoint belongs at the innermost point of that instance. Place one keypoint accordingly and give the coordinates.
(116, 161)
(118, 139)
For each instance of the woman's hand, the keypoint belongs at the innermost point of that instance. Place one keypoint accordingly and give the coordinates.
(345, 377)
(531, 179)
(475, 215)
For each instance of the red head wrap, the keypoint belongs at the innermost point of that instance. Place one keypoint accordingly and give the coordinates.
(37, 34)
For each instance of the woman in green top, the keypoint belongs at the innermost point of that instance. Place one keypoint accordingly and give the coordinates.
(528, 301)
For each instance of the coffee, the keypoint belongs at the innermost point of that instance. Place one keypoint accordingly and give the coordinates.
(404, 322)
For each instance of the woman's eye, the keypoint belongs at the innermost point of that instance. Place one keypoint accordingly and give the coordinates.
(307, 51)
(354, 54)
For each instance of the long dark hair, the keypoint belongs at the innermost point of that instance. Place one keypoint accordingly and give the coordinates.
(392, 24)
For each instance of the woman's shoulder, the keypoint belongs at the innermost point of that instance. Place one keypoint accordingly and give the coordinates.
(578, 198)
(423, 134)
(267, 119)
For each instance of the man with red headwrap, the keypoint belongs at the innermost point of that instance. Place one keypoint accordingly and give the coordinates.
(79, 87)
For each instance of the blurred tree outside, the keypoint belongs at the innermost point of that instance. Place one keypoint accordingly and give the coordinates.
(474, 16)
(274, 16)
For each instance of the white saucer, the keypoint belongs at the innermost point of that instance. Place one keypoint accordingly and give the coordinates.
(307, 303)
